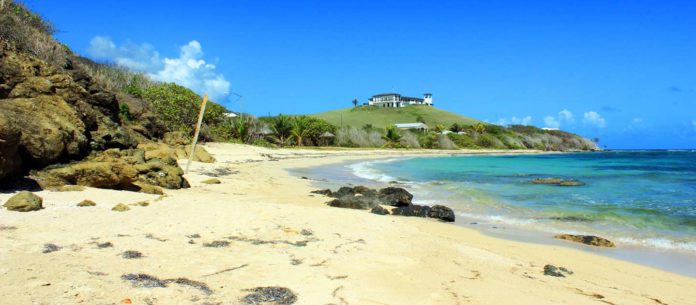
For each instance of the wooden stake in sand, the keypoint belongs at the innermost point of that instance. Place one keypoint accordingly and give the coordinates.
(195, 134)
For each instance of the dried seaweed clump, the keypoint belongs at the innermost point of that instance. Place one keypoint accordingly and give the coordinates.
(269, 295)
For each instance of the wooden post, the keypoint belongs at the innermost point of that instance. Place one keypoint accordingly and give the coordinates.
(195, 134)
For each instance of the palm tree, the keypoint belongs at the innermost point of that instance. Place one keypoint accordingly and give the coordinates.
(456, 128)
(300, 128)
(355, 103)
(439, 128)
(281, 127)
(392, 137)
(478, 128)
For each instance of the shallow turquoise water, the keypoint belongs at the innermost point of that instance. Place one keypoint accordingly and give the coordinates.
(633, 197)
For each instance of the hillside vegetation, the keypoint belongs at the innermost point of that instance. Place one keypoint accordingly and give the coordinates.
(379, 117)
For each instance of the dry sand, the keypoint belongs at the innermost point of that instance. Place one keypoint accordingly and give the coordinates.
(280, 235)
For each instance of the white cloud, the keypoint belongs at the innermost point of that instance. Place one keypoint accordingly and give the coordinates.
(189, 69)
(566, 115)
(594, 118)
(637, 120)
(515, 121)
(551, 122)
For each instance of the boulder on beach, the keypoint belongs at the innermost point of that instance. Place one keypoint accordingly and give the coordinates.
(441, 212)
(352, 191)
(587, 239)
(354, 202)
(413, 210)
(86, 203)
(24, 202)
(395, 196)
(211, 181)
(379, 210)
(552, 270)
(120, 208)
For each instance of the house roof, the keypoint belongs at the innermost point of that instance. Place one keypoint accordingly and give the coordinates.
(411, 125)
(386, 94)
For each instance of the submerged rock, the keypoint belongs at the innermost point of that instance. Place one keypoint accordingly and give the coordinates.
(557, 181)
(587, 239)
(441, 212)
(24, 202)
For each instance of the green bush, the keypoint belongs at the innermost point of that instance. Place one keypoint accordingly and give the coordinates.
(178, 109)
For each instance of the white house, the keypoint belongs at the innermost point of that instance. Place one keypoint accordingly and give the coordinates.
(417, 126)
(395, 100)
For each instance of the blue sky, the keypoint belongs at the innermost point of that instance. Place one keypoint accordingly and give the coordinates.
(623, 71)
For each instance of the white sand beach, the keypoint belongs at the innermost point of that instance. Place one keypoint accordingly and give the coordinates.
(271, 231)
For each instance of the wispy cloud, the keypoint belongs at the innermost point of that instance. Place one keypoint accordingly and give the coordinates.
(563, 116)
(594, 119)
(189, 69)
(515, 121)
(674, 89)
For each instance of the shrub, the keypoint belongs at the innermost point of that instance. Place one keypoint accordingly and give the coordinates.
(409, 140)
(124, 112)
(355, 137)
(28, 32)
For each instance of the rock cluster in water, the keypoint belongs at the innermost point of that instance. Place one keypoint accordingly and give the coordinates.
(398, 199)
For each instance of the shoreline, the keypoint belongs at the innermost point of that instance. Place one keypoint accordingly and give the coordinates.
(280, 235)
(670, 260)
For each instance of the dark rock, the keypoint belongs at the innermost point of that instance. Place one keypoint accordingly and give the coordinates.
(552, 270)
(131, 254)
(326, 192)
(107, 244)
(48, 248)
(270, 296)
(379, 210)
(24, 202)
(587, 239)
(354, 202)
(10, 135)
(217, 244)
(412, 210)
(395, 196)
(352, 191)
(441, 212)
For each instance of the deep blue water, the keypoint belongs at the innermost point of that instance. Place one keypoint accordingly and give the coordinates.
(633, 197)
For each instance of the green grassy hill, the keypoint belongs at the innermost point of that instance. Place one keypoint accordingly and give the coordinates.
(382, 117)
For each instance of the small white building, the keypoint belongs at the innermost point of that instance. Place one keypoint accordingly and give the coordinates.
(408, 126)
(549, 128)
(395, 100)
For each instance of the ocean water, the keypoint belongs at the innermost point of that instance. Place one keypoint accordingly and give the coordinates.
(634, 198)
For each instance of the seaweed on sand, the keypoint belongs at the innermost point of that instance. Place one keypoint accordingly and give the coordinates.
(269, 295)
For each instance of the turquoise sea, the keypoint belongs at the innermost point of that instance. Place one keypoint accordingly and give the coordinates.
(644, 198)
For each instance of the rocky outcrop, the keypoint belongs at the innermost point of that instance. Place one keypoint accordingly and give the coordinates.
(587, 239)
(59, 113)
(364, 198)
(129, 169)
(24, 202)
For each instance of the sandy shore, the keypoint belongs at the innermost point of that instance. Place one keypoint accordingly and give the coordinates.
(272, 232)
